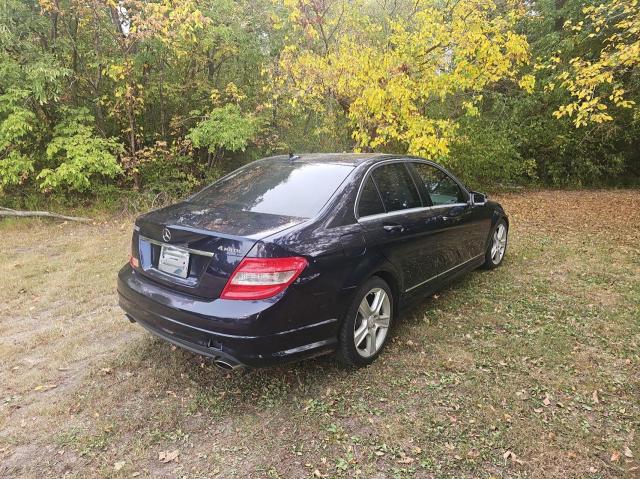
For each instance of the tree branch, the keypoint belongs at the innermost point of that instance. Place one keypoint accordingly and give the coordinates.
(23, 214)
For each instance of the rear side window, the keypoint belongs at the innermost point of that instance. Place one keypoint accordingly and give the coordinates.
(441, 187)
(396, 187)
(277, 187)
(369, 202)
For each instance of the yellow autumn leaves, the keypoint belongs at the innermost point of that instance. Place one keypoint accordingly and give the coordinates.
(391, 73)
(595, 84)
(391, 70)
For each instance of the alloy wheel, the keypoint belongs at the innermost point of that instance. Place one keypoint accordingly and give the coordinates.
(372, 322)
(499, 244)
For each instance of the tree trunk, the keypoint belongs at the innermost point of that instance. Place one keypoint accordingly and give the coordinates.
(559, 21)
(54, 23)
(24, 214)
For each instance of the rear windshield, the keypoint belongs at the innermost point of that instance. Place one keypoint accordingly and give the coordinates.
(277, 187)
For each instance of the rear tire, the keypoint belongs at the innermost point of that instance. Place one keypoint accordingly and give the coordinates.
(497, 245)
(365, 330)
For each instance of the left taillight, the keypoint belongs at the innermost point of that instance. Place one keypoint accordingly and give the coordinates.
(133, 261)
(259, 278)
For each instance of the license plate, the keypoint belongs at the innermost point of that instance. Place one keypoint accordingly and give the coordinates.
(174, 261)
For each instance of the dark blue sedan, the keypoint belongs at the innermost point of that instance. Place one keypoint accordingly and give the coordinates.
(297, 256)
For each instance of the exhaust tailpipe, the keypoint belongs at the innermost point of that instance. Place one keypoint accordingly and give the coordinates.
(227, 365)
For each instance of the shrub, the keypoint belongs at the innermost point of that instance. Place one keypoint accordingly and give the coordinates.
(77, 156)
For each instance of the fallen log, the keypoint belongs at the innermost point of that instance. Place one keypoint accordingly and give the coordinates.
(47, 214)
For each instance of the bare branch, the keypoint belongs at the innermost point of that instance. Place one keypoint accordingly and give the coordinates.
(8, 212)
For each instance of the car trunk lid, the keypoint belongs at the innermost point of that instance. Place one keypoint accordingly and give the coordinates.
(209, 241)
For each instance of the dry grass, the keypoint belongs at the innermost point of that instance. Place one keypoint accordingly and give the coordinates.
(532, 370)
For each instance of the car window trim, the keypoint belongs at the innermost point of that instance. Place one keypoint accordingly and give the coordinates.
(368, 173)
(375, 185)
(404, 160)
(408, 211)
(422, 190)
(438, 167)
(413, 181)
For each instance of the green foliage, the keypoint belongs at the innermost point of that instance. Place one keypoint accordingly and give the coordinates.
(77, 156)
(17, 124)
(45, 79)
(486, 156)
(600, 154)
(179, 92)
(225, 128)
(174, 175)
(14, 169)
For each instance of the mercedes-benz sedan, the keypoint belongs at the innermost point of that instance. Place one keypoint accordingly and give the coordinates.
(297, 256)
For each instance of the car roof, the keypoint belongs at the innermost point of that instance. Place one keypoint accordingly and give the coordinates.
(353, 159)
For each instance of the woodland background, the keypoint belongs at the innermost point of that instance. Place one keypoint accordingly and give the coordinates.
(105, 102)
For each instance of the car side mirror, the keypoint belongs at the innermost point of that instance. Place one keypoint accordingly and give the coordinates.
(478, 199)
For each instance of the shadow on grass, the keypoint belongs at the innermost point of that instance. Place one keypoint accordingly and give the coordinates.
(219, 391)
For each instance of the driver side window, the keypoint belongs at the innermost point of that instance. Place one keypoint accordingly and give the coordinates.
(440, 186)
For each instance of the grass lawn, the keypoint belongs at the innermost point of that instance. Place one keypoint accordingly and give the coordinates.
(528, 371)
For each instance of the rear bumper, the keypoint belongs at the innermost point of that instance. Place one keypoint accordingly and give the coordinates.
(249, 333)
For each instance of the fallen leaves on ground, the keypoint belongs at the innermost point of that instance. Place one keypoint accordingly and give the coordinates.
(45, 387)
(511, 455)
(168, 456)
(582, 212)
(404, 459)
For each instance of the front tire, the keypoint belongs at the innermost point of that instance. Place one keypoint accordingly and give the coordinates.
(365, 330)
(497, 246)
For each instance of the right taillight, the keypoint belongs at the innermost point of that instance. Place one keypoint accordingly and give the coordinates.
(259, 278)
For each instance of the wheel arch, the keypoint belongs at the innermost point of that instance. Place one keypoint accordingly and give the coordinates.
(381, 268)
(497, 215)
(393, 283)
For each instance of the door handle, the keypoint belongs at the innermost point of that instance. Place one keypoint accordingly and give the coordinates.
(394, 228)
